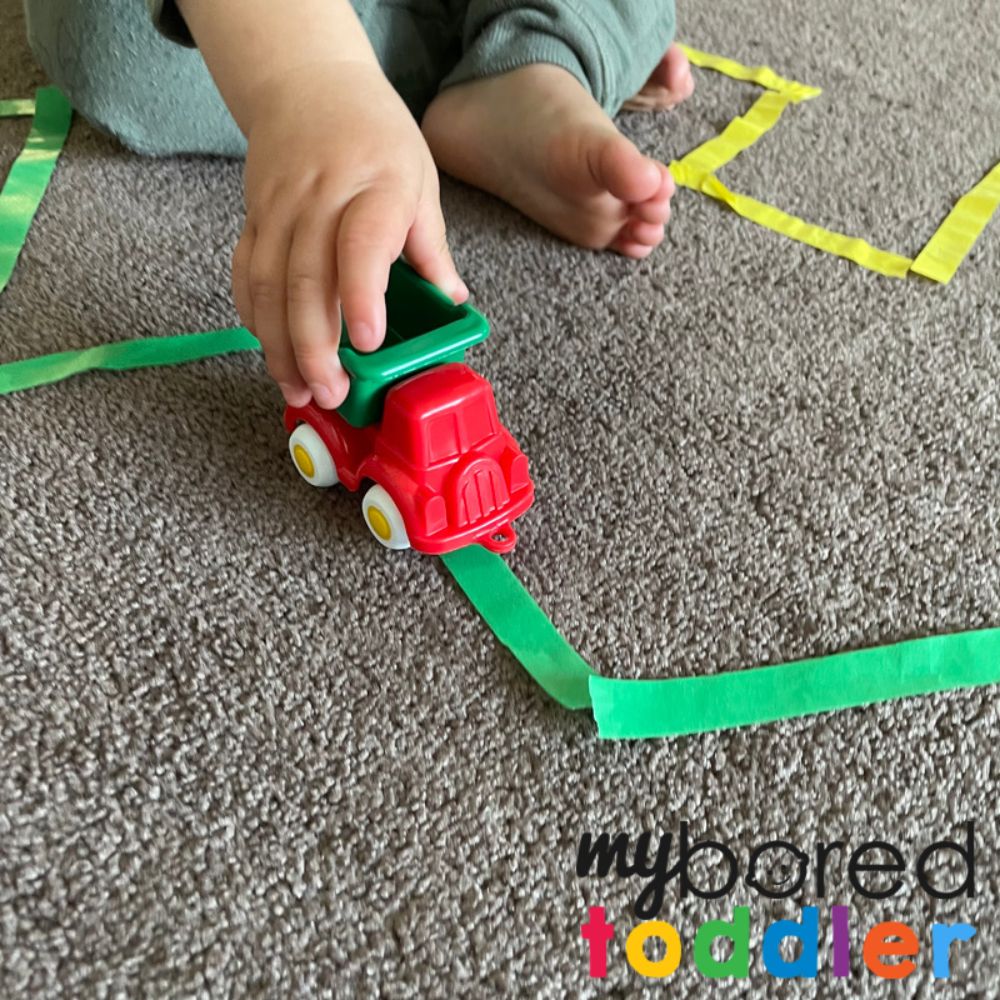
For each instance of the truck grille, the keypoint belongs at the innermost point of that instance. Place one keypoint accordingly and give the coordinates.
(478, 490)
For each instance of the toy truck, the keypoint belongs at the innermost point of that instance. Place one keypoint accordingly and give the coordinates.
(421, 428)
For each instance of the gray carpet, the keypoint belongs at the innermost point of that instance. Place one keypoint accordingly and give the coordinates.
(246, 753)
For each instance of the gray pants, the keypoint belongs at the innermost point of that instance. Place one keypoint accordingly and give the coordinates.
(157, 96)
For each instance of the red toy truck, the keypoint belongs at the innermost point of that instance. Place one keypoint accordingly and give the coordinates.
(422, 428)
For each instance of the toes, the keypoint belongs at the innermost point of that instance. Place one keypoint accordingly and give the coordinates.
(623, 171)
(644, 230)
(648, 234)
(638, 239)
(670, 83)
(652, 212)
(668, 184)
(656, 210)
(678, 78)
(629, 248)
(660, 77)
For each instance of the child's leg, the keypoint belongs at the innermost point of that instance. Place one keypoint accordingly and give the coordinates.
(610, 46)
(525, 115)
(154, 95)
(157, 96)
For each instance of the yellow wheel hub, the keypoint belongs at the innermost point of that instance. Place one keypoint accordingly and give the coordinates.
(304, 461)
(379, 523)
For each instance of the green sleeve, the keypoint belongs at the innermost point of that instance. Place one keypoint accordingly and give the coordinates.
(168, 20)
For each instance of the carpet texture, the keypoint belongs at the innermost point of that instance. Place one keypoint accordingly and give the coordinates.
(245, 752)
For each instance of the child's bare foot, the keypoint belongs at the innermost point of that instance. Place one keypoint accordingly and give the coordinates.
(535, 138)
(669, 84)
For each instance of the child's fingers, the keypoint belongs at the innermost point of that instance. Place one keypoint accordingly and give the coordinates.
(427, 250)
(241, 277)
(277, 355)
(266, 281)
(371, 234)
(313, 313)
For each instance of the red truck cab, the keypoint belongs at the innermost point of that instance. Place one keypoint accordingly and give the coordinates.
(443, 469)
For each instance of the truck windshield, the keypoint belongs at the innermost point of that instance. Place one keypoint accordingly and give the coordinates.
(458, 430)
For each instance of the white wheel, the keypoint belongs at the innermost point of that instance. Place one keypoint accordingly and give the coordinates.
(384, 519)
(311, 457)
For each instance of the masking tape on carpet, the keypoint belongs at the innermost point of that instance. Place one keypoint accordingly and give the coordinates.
(850, 247)
(740, 134)
(939, 259)
(29, 175)
(641, 709)
(645, 709)
(17, 107)
(152, 352)
(950, 245)
(521, 625)
(623, 709)
(763, 76)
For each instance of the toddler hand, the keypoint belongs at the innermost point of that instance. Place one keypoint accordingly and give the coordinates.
(339, 182)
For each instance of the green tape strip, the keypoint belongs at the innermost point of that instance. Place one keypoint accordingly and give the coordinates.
(643, 709)
(29, 175)
(623, 709)
(521, 625)
(17, 107)
(638, 709)
(153, 352)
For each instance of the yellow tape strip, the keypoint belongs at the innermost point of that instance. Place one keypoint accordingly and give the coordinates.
(939, 259)
(850, 247)
(740, 134)
(955, 237)
(763, 76)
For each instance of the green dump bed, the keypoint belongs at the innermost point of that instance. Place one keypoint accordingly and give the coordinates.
(424, 329)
